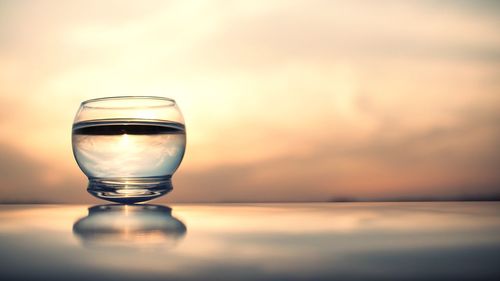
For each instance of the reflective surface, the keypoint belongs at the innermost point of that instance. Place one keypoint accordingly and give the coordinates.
(341, 241)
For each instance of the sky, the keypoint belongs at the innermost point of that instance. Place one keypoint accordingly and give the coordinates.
(283, 100)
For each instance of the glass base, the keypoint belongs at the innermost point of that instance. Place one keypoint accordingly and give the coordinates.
(129, 191)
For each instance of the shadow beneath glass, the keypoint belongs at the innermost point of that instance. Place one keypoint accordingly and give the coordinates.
(129, 226)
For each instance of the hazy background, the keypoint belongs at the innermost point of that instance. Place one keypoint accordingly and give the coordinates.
(283, 100)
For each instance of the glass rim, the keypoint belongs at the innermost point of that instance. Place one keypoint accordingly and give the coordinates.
(87, 103)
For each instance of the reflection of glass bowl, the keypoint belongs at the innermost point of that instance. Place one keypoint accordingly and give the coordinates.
(129, 226)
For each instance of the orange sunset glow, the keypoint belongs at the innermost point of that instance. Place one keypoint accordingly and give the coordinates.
(283, 100)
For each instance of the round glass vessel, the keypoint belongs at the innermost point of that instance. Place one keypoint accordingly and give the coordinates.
(129, 147)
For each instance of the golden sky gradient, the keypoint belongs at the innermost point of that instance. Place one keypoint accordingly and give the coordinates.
(283, 100)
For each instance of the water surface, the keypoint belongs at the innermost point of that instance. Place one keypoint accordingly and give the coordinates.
(331, 241)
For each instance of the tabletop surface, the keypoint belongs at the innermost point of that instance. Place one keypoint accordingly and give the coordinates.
(312, 241)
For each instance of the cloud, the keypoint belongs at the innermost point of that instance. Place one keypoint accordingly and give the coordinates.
(283, 100)
(25, 180)
(438, 162)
